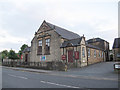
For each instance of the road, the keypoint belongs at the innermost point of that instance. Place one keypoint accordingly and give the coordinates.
(100, 75)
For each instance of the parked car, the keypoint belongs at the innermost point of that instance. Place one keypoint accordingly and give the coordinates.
(117, 66)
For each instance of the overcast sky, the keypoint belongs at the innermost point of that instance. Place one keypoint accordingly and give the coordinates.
(20, 19)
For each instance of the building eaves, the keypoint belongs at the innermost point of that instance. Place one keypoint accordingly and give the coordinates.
(94, 47)
(27, 49)
(95, 40)
(73, 42)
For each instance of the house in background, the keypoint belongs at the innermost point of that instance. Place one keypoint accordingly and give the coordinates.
(95, 54)
(26, 55)
(116, 49)
(55, 44)
(98, 42)
(111, 55)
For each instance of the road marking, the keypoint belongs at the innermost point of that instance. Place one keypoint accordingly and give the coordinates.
(59, 84)
(96, 78)
(17, 76)
(86, 77)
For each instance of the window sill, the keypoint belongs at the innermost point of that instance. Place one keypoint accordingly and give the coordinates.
(47, 54)
(39, 54)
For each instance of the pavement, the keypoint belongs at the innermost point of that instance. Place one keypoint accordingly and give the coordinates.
(99, 75)
(28, 69)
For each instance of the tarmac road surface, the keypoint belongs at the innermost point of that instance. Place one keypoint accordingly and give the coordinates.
(99, 75)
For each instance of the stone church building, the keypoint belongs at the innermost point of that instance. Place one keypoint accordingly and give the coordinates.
(55, 44)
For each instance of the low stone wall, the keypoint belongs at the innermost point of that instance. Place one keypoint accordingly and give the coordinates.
(58, 65)
(38, 65)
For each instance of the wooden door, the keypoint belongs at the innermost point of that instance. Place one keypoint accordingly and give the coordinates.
(70, 56)
(26, 57)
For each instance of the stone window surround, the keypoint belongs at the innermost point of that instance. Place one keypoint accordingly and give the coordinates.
(47, 42)
(39, 47)
(89, 52)
(41, 38)
(83, 51)
(95, 54)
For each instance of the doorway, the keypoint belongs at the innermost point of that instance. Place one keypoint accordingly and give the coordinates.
(26, 57)
(70, 56)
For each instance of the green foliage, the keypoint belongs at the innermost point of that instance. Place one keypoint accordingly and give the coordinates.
(22, 48)
(4, 54)
(12, 55)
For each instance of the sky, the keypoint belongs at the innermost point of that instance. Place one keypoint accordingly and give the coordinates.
(20, 19)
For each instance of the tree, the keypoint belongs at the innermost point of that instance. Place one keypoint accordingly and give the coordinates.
(4, 54)
(12, 55)
(22, 48)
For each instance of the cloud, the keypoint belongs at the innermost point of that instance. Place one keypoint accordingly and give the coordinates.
(20, 19)
(6, 39)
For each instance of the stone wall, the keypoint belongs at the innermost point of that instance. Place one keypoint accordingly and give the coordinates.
(82, 61)
(92, 59)
(115, 52)
(55, 42)
(103, 45)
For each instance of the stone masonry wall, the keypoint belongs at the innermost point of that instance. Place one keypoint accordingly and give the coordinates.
(55, 42)
(92, 59)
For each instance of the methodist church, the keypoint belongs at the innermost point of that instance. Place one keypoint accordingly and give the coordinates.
(52, 43)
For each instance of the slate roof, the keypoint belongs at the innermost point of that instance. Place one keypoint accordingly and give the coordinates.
(73, 42)
(76, 42)
(116, 43)
(63, 32)
(27, 49)
(95, 40)
(92, 46)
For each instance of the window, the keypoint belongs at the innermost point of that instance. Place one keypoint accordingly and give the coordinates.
(99, 54)
(40, 43)
(88, 52)
(102, 54)
(47, 48)
(83, 52)
(94, 53)
(40, 47)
